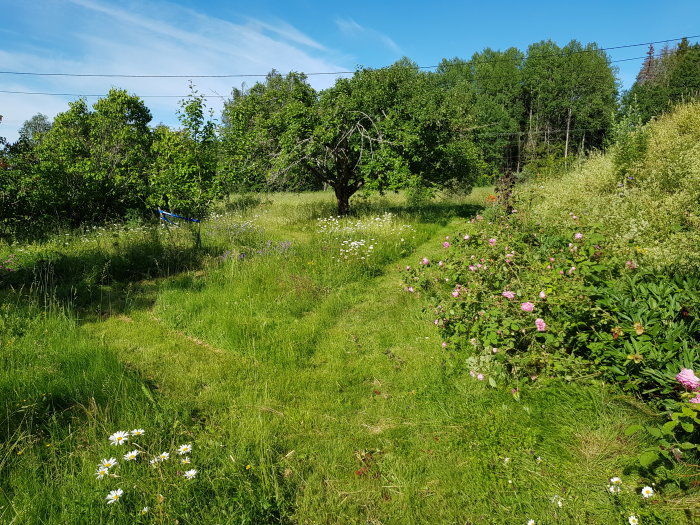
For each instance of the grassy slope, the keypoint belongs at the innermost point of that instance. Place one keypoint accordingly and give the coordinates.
(326, 380)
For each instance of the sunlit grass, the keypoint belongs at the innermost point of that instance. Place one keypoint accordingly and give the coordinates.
(312, 385)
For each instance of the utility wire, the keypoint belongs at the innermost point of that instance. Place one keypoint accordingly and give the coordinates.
(247, 75)
(80, 95)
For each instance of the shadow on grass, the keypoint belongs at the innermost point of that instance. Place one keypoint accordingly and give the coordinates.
(96, 281)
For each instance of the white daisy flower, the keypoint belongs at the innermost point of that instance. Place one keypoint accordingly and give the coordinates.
(614, 489)
(530, 522)
(101, 472)
(131, 456)
(616, 481)
(114, 495)
(119, 438)
(138, 432)
(154, 461)
(163, 456)
(109, 463)
(185, 460)
(190, 474)
(184, 449)
(144, 510)
(633, 520)
(647, 492)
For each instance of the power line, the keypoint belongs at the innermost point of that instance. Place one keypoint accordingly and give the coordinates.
(81, 95)
(254, 75)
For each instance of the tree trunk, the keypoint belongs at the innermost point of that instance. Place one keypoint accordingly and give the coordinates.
(343, 194)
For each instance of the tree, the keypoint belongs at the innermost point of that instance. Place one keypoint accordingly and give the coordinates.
(93, 164)
(33, 129)
(379, 130)
(255, 123)
(183, 171)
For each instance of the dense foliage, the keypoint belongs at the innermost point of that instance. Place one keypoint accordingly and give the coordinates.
(593, 275)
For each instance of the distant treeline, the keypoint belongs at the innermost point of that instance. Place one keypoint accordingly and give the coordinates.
(395, 127)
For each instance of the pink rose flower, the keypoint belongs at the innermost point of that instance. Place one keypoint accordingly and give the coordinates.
(541, 325)
(445, 244)
(508, 294)
(527, 307)
(425, 261)
(696, 399)
(688, 379)
(455, 293)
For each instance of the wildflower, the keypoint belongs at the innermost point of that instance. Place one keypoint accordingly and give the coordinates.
(410, 289)
(543, 295)
(114, 495)
(506, 461)
(472, 268)
(480, 377)
(131, 456)
(137, 432)
(530, 522)
(408, 268)
(558, 501)
(494, 350)
(445, 244)
(455, 293)
(185, 460)
(109, 463)
(144, 511)
(444, 344)
(101, 472)
(153, 462)
(119, 438)
(184, 449)
(467, 237)
(492, 242)
(647, 492)
(695, 399)
(425, 261)
(441, 264)
(538, 460)
(631, 265)
(638, 328)
(508, 294)
(472, 373)
(688, 379)
(616, 481)
(541, 325)
(572, 270)
(613, 489)
(190, 474)
(633, 520)
(578, 236)
(163, 456)
(527, 307)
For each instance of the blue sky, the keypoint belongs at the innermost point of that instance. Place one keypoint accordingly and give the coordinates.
(187, 37)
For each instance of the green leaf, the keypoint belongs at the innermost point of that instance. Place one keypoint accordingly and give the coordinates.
(654, 431)
(687, 445)
(492, 382)
(646, 459)
(669, 426)
(633, 429)
(688, 427)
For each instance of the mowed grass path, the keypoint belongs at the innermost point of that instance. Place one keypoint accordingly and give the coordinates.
(326, 389)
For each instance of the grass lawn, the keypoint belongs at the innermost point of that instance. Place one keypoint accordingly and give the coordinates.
(311, 386)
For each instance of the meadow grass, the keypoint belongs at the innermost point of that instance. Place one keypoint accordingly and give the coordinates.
(312, 386)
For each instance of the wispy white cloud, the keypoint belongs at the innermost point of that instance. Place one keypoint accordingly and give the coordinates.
(350, 28)
(154, 38)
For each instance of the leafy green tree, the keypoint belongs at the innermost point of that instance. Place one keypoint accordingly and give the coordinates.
(33, 129)
(183, 171)
(254, 125)
(93, 164)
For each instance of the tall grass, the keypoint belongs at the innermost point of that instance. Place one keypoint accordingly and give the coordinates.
(311, 386)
